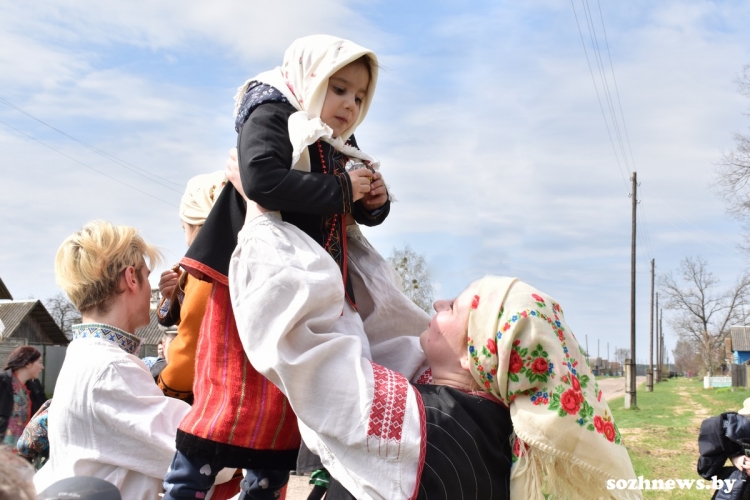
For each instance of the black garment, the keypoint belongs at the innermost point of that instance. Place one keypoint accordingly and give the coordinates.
(722, 437)
(36, 391)
(157, 367)
(468, 448)
(307, 200)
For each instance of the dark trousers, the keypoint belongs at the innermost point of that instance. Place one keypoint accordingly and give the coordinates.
(191, 478)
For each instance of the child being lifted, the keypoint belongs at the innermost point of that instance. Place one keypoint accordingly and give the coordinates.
(295, 126)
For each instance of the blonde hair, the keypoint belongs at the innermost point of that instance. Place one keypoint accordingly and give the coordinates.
(88, 263)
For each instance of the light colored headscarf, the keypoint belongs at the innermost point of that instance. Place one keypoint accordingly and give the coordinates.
(200, 195)
(303, 79)
(522, 351)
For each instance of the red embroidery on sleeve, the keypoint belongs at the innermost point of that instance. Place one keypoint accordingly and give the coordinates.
(388, 408)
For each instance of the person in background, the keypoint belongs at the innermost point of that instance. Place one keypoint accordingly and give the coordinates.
(184, 298)
(33, 445)
(109, 420)
(162, 359)
(17, 395)
(726, 437)
(184, 302)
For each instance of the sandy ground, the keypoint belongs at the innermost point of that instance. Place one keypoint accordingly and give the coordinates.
(298, 488)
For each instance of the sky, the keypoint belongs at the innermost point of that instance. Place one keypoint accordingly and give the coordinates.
(491, 121)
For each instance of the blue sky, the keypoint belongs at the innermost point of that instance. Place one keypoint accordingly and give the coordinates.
(486, 121)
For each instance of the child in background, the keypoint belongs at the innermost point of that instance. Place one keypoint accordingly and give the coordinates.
(295, 125)
(184, 297)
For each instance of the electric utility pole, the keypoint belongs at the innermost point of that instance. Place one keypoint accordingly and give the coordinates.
(630, 401)
(661, 342)
(650, 377)
(657, 377)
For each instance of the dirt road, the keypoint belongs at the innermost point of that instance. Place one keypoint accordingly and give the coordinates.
(615, 387)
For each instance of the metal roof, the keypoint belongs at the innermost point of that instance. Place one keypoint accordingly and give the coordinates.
(152, 333)
(740, 338)
(12, 312)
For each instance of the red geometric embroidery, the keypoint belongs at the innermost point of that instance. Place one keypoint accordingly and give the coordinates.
(388, 405)
(426, 377)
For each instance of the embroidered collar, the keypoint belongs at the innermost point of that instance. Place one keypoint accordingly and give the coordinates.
(126, 341)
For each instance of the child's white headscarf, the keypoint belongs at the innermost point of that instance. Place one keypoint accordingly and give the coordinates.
(303, 79)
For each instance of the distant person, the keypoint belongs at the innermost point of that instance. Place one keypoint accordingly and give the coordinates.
(109, 420)
(162, 359)
(33, 445)
(19, 399)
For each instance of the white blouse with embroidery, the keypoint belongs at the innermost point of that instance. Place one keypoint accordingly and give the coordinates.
(363, 420)
(109, 419)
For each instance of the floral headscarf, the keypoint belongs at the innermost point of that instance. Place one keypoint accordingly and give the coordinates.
(303, 79)
(522, 351)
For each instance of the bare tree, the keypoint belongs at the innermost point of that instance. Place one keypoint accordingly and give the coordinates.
(734, 169)
(686, 357)
(63, 312)
(621, 354)
(704, 311)
(415, 278)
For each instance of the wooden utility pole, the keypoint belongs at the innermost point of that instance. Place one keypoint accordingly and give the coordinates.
(650, 376)
(656, 327)
(661, 342)
(630, 401)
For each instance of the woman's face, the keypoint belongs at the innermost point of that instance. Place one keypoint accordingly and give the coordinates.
(35, 368)
(444, 341)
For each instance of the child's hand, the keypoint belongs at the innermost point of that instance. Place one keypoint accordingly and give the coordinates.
(378, 195)
(360, 179)
(168, 281)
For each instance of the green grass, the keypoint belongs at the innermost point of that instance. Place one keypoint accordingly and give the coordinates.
(661, 434)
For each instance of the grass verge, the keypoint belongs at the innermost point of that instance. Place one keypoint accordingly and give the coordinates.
(661, 435)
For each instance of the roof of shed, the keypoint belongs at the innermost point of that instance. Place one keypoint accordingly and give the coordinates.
(740, 338)
(4, 292)
(12, 312)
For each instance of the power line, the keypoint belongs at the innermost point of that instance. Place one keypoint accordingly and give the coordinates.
(605, 83)
(86, 165)
(645, 249)
(617, 90)
(142, 172)
(596, 88)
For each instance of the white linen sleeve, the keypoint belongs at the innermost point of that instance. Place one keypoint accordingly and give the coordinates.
(134, 421)
(363, 420)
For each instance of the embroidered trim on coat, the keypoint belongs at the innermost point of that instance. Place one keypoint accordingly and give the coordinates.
(426, 377)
